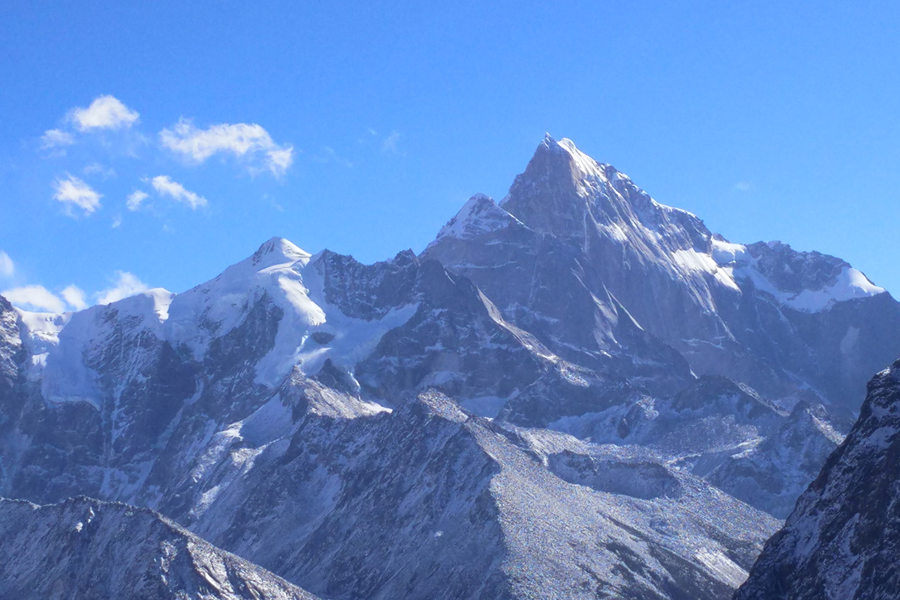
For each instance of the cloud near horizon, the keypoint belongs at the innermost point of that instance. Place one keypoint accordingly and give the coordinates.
(72, 298)
(127, 284)
(248, 142)
(35, 298)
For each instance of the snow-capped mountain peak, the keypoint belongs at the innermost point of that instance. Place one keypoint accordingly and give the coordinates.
(277, 250)
(565, 192)
(478, 216)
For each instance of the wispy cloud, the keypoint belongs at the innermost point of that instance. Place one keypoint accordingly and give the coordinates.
(74, 297)
(249, 143)
(105, 112)
(7, 266)
(126, 284)
(72, 191)
(743, 186)
(390, 143)
(164, 186)
(135, 198)
(36, 298)
(328, 154)
(98, 169)
(56, 138)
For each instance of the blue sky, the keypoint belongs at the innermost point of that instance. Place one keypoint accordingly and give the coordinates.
(363, 128)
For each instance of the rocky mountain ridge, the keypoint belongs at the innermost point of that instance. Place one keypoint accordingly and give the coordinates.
(841, 539)
(83, 548)
(576, 392)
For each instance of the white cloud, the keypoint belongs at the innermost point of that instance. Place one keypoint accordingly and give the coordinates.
(117, 221)
(73, 191)
(7, 266)
(74, 296)
(127, 284)
(248, 142)
(164, 185)
(743, 186)
(105, 112)
(55, 138)
(35, 297)
(135, 198)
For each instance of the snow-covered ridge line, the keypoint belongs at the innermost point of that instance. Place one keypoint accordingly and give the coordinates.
(740, 263)
(279, 275)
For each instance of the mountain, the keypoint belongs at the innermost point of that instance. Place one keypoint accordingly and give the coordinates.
(362, 486)
(576, 249)
(84, 548)
(578, 392)
(841, 539)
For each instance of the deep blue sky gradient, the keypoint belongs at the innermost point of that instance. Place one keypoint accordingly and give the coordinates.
(769, 120)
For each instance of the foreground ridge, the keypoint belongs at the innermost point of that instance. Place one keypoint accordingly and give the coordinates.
(841, 540)
(85, 548)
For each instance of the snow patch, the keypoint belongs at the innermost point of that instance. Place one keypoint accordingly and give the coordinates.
(724, 252)
(850, 284)
(722, 567)
(691, 261)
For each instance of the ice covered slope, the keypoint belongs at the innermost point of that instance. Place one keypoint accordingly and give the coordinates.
(842, 539)
(117, 387)
(85, 548)
(277, 296)
(576, 249)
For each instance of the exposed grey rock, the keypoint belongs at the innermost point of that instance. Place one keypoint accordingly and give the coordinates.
(432, 501)
(83, 548)
(841, 541)
(515, 413)
(577, 248)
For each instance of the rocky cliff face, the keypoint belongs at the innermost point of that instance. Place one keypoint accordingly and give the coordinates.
(841, 539)
(577, 249)
(84, 548)
(578, 392)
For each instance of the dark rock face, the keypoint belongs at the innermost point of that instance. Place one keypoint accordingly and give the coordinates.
(84, 548)
(456, 341)
(579, 393)
(841, 541)
(368, 291)
(11, 353)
